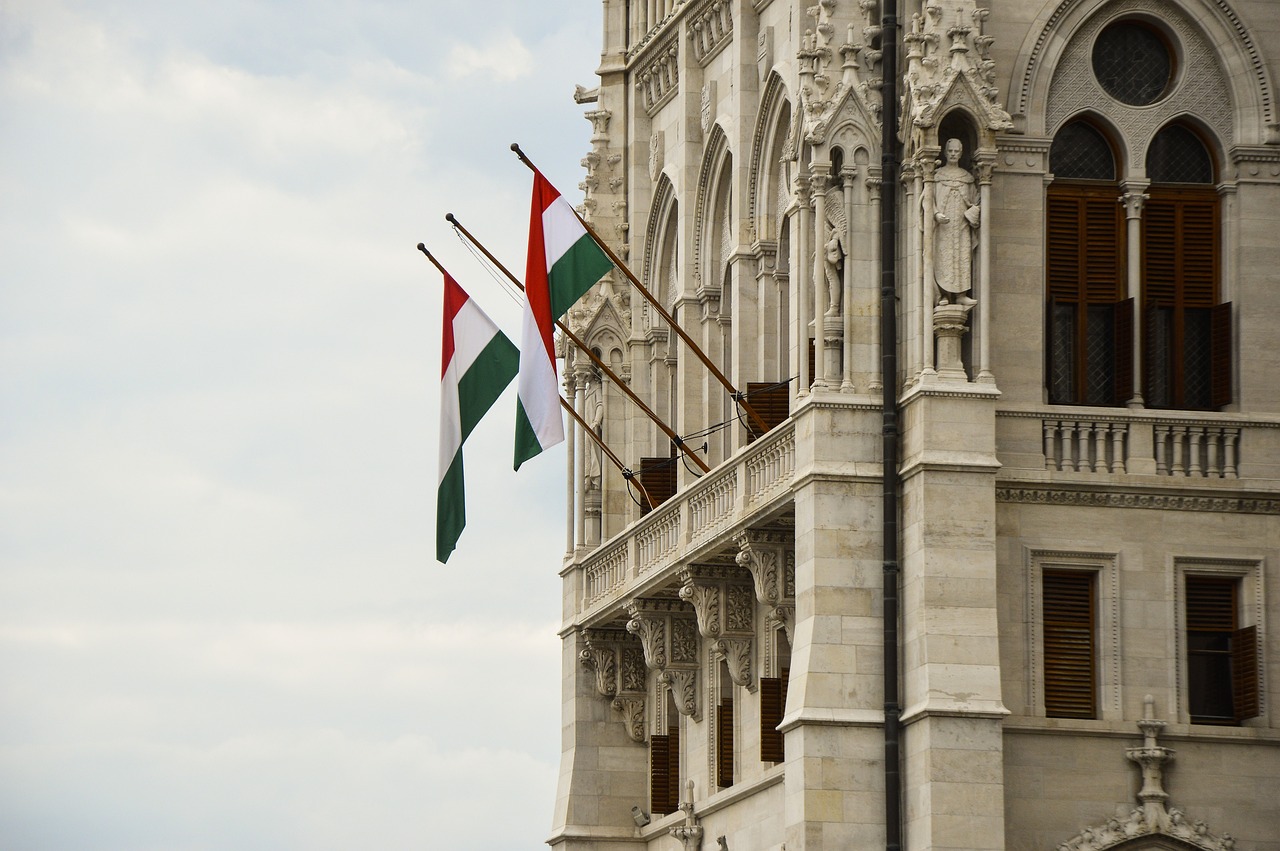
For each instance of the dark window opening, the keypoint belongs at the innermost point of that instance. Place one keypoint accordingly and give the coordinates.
(1070, 679)
(1133, 63)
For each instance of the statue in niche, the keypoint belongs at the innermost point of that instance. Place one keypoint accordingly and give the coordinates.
(833, 263)
(833, 251)
(956, 218)
(593, 413)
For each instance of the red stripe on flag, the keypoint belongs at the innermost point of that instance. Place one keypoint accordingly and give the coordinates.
(454, 298)
(537, 287)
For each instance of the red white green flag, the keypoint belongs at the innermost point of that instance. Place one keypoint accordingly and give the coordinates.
(563, 263)
(477, 363)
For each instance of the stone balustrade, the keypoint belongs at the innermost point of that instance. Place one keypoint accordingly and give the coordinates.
(1182, 445)
(695, 517)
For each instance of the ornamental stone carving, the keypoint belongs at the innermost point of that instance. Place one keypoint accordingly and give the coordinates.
(725, 609)
(1151, 816)
(668, 634)
(618, 665)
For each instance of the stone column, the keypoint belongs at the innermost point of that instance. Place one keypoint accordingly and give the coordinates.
(818, 184)
(833, 722)
(928, 164)
(952, 737)
(847, 177)
(571, 505)
(984, 161)
(801, 289)
(1133, 199)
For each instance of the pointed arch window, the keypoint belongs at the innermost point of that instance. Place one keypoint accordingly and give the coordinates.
(1089, 325)
(1186, 328)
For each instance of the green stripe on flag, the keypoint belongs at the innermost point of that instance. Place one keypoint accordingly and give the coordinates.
(574, 273)
(451, 510)
(484, 382)
(527, 444)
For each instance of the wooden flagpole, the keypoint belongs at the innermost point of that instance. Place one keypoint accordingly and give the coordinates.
(586, 427)
(740, 398)
(577, 341)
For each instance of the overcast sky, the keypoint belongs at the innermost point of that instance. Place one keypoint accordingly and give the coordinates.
(222, 625)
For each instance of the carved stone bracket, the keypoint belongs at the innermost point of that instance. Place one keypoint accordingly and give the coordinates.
(620, 675)
(633, 713)
(725, 610)
(668, 634)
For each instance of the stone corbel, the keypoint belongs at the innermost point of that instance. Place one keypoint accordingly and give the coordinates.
(684, 688)
(769, 557)
(737, 654)
(669, 637)
(620, 675)
(632, 709)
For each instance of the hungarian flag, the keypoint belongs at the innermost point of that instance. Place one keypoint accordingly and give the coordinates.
(477, 363)
(564, 262)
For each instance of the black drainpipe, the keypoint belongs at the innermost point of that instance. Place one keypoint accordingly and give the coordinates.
(889, 425)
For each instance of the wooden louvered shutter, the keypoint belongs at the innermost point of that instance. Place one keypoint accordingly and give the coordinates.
(724, 742)
(1062, 272)
(1160, 253)
(1220, 353)
(1123, 329)
(673, 767)
(660, 775)
(658, 476)
(1068, 611)
(769, 400)
(1210, 623)
(1102, 249)
(773, 700)
(1244, 673)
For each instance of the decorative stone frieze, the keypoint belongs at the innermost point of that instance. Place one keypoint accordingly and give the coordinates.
(710, 29)
(1112, 498)
(659, 80)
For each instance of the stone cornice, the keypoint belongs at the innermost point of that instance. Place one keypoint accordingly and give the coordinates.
(1121, 498)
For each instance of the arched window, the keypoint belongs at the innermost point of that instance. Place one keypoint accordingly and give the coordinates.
(1089, 322)
(1186, 331)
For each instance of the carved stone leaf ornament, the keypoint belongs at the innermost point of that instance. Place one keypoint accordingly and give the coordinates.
(633, 669)
(633, 716)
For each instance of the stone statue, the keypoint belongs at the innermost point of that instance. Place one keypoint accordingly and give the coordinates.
(594, 415)
(833, 263)
(956, 217)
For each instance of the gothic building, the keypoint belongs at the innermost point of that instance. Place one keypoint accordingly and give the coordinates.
(1025, 597)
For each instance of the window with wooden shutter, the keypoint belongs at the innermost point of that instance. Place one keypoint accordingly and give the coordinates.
(1070, 655)
(773, 701)
(658, 477)
(1222, 657)
(660, 775)
(724, 730)
(1084, 279)
(1186, 333)
(770, 401)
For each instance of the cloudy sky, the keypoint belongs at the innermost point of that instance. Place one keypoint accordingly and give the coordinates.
(221, 621)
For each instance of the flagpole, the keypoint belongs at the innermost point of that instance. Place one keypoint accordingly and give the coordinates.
(622, 468)
(740, 398)
(577, 341)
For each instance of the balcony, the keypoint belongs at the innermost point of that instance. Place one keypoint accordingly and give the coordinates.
(1223, 452)
(752, 485)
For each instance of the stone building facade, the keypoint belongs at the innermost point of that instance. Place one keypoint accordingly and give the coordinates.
(1088, 466)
